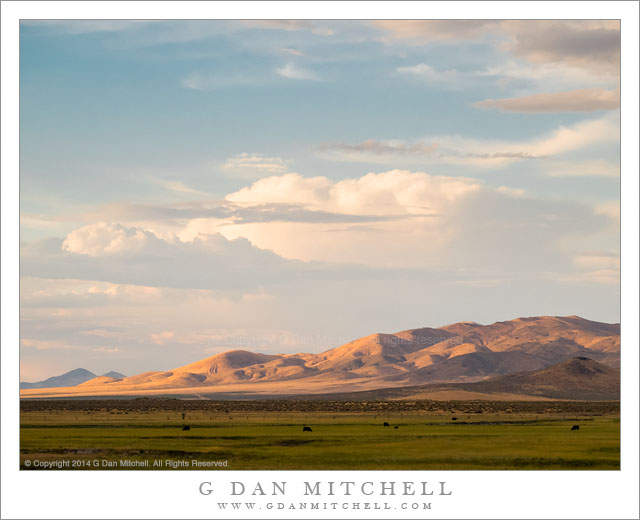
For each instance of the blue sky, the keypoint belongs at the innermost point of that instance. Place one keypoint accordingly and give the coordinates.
(190, 187)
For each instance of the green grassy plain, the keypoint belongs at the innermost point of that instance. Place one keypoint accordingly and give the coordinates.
(254, 440)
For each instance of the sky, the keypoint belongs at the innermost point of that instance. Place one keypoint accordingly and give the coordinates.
(191, 187)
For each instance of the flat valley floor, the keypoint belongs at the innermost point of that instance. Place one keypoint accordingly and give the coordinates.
(173, 434)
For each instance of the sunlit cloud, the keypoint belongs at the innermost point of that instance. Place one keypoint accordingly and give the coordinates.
(581, 100)
(476, 152)
(107, 350)
(39, 344)
(104, 238)
(587, 168)
(598, 261)
(609, 208)
(163, 337)
(592, 45)
(443, 211)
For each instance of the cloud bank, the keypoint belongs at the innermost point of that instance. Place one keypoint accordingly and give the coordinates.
(592, 45)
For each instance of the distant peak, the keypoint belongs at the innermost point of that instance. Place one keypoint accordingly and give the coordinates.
(78, 371)
(116, 375)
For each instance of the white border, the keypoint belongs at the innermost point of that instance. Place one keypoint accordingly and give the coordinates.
(539, 494)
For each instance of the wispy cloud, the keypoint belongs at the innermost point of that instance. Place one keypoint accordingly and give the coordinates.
(374, 150)
(609, 208)
(204, 81)
(419, 31)
(161, 338)
(87, 26)
(292, 71)
(598, 267)
(587, 168)
(253, 165)
(211, 81)
(292, 25)
(544, 77)
(472, 151)
(176, 186)
(107, 350)
(428, 74)
(40, 344)
(581, 100)
(598, 260)
(293, 52)
(598, 276)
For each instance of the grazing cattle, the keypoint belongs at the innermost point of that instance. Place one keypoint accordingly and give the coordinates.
(186, 428)
(454, 418)
(306, 429)
(385, 424)
(575, 427)
(396, 427)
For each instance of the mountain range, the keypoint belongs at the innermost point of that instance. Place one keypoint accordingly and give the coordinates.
(71, 378)
(464, 352)
(578, 378)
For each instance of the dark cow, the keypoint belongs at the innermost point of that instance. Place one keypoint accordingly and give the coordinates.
(454, 418)
(396, 427)
(575, 427)
(306, 429)
(385, 424)
(186, 428)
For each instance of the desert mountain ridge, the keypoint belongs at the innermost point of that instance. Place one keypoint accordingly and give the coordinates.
(464, 352)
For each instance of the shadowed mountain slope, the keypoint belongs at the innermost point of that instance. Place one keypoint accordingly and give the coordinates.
(578, 378)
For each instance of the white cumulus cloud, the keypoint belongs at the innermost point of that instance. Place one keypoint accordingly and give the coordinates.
(423, 220)
(396, 192)
(106, 239)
